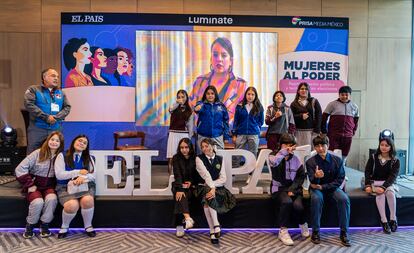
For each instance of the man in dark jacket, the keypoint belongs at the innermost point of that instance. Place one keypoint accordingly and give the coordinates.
(48, 106)
(326, 174)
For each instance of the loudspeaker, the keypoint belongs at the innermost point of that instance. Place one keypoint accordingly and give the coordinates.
(400, 155)
(10, 158)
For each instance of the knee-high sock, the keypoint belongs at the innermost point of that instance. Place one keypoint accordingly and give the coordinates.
(67, 218)
(87, 215)
(209, 220)
(392, 204)
(380, 199)
(213, 214)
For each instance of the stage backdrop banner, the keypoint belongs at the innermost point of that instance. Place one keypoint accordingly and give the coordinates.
(121, 69)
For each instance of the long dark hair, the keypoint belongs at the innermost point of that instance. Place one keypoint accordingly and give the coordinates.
(86, 158)
(226, 44)
(257, 106)
(187, 108)
(70, 47)
(190, 146)
(300, 86)
(216, 96)
(390, 142)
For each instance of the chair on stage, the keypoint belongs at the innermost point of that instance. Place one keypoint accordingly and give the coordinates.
(132, 136)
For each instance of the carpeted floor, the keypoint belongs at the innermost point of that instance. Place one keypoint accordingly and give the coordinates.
(363, 240)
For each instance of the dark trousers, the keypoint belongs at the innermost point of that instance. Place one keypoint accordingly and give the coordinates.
(181, 207)
(340, 142)
(288, 204)
(272, 141)
(342, 203)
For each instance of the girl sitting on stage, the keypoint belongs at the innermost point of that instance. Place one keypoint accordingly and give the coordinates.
(181, 124)
(247, 122)
(288, 175)
(184, 169)
(76, 186)
(381, 172)
(213, 118)
(37, 175)
(214, 196)
(279, 118)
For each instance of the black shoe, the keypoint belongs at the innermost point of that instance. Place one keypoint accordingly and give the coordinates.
(393, 225)
(344, 237)
(213, 238)
(44, 230)
(316, 238)
(386, 228)
(90, 232)
(28, 232)
(63, 233)
(217, 231)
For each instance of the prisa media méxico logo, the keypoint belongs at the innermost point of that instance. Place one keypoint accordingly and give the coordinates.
(316, 23)
(295, 20)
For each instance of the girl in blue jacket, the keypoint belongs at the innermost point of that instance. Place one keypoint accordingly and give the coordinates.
(213, 118)
(248, 120)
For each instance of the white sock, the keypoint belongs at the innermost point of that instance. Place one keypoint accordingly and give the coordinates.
(213, 214)
(209, 220)
(87, 215)
(67, 218)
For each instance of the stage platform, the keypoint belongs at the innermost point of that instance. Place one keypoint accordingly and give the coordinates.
(252, 211)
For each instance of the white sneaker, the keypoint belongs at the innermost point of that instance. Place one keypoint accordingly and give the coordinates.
(189, 223)
(284, 236)
(180, 231)
(304, 230)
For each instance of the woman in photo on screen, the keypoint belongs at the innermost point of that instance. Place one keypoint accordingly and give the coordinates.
(181, 124)
(229, 87)
(76, 55)
(215, 198)
(124, 66)
(36, 173)
(184, 169)
(381, 172)
(76, 186)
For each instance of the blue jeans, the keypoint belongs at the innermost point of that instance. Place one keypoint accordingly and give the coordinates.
(342, 202)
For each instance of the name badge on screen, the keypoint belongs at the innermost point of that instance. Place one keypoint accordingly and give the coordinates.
(54, 107)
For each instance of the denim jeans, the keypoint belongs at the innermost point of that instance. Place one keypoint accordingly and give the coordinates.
(342, 202)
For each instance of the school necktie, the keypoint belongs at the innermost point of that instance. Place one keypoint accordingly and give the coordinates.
(77, 158)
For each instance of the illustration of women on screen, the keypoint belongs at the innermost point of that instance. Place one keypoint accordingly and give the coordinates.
(76, 54)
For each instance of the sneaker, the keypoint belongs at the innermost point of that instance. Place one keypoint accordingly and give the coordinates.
(304, 230)
(189, 223)
(44, 230)
(344, 237)
(316, 238)
(385, 227)
(28, 232)
(180, 231)
(393, 225)
(284, 236)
